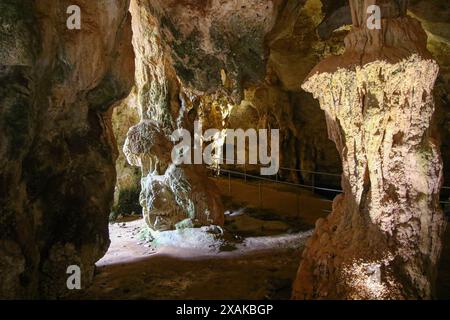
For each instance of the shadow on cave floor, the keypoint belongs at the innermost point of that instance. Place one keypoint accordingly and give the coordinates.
(260, 262)
(254, 276)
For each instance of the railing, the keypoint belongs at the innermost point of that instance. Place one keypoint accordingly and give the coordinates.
(229, 173)
(276, 180)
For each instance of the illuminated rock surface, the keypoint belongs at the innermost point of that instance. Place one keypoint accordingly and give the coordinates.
(382, 240)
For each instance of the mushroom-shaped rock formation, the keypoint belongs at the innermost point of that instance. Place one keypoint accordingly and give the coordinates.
(172, 196)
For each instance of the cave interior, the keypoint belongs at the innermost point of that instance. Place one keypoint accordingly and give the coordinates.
(224, 149)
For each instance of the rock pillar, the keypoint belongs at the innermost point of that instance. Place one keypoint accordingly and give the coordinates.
(382, 240)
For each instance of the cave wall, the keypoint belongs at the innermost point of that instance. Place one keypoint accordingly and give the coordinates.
(57, 149)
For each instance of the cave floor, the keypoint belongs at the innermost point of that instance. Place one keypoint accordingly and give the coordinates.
(170, 273)
(259, 262)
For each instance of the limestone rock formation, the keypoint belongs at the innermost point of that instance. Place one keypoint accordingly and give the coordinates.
(172, 196)
(209, 62)
(382, 240)
(433, 15)
(57, 149)
(204, 46)
(216, 45)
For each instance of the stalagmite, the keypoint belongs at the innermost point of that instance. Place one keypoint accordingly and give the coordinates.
(382, 240)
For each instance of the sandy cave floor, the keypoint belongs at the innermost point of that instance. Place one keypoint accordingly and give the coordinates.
(256, 257)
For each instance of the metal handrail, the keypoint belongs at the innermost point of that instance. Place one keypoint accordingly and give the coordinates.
(281, 182)
(278, 182)
(306, 171)
(313, 187)
(313, 172)
(286, 169)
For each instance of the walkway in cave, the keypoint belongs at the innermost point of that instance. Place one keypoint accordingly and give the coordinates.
(258, 259)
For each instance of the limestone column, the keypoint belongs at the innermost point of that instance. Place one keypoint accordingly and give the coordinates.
(172, 197)
(383, 238)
